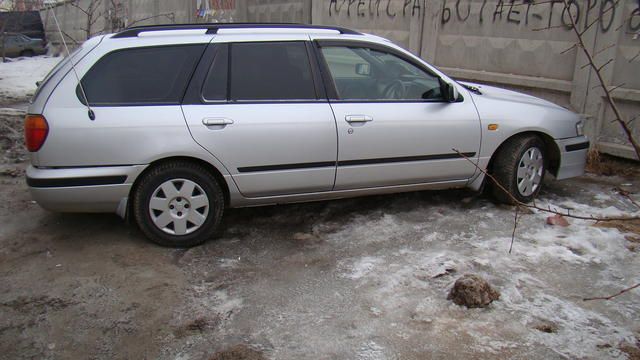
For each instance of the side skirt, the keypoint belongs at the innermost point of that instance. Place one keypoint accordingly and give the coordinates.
(237, 201)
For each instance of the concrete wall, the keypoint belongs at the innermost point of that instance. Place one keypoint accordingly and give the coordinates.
(499, 42)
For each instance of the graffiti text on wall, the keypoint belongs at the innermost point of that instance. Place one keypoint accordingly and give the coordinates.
(543, 14)
(377, 8)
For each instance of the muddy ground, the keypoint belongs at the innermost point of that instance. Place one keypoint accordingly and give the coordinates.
(359, 278)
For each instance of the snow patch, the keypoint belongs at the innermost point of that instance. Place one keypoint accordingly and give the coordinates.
(371, 351)
(362, 267)
(18, 78)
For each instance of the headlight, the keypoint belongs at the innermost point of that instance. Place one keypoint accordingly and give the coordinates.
(580, 127)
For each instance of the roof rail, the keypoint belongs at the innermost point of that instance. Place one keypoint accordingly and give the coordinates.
(212, 28)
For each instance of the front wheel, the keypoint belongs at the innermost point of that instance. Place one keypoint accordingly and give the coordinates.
(178, 204)
(519, 166)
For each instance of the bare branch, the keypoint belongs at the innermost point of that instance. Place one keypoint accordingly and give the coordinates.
(603, 49)
(170, 16)
(603, 65)
(564, 212)
(515, 225)
(612, 88)
(75, 5)
(590, 58)
(550, 27)
(568, 49)
(598, 18)
(614, 295)
(627, 195)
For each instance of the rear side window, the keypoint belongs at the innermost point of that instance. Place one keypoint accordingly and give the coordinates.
(153, 75)
(270, 71)
(215, 86)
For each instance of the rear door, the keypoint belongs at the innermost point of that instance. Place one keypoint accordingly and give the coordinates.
(394, 126)
(261, 110)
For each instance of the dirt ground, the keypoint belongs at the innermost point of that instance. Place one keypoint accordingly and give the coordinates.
(359, 278)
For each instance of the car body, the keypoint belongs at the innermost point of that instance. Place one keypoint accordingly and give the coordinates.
(277, 114)
(21, 45)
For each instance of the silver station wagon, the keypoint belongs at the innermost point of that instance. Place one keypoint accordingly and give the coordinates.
(170, 125)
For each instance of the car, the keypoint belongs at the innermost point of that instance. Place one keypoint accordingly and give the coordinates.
(14, 45)
(170, 125)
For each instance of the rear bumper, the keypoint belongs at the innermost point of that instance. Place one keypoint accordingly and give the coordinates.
(573, 157)
(86, 189)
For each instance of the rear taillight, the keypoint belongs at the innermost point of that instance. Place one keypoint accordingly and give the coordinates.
(35, 132)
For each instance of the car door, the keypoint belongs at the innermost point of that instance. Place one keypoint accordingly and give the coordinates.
(11, 45)
(264, 115)
(394, 126)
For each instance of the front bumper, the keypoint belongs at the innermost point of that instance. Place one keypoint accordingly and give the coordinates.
(86, 189)
(573, 156)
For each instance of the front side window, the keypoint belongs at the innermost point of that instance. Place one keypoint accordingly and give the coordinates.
(270, 71)
(366, 74)
(153, 75)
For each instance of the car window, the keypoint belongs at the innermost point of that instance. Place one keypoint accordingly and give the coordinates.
(215, 85)
(152, 75)
(270, 71)
(366, 74)
(10, 39)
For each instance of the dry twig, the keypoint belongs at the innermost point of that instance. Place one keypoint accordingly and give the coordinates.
(614, 295)
(565, 212)
(597, 69)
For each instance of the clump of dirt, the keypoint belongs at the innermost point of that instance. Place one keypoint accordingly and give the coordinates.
(472, 291)
(12, 147)
(625, 226)
(546, 326)
(632, 351)
(238, 352)
(197, 326)
(11, 171)
(38, 304)
(607, 165)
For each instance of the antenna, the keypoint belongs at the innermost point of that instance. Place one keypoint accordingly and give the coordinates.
(90, 112)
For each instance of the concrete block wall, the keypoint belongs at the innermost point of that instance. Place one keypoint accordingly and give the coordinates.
(499, 42)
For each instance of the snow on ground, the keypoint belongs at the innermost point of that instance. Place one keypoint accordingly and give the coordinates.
(18, 77)
(544, 278)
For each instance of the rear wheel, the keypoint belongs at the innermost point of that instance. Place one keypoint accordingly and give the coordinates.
(27, 53)
(519, 166)
(178, 204)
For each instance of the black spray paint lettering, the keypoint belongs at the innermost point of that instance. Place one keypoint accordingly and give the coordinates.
(513, 12)
(634, 19)
(568, 11)
(604, 9)
(390, 8)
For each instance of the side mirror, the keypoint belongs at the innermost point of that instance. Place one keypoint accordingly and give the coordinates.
(363, 69)
(449, 91)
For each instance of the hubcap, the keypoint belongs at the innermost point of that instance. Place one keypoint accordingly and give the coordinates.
(530, 170)
(178, 206)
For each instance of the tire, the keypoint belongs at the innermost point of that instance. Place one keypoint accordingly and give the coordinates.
(519, 166)
(178, 204)
(27, 53)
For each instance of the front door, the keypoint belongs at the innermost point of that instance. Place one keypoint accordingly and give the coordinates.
(394, 126)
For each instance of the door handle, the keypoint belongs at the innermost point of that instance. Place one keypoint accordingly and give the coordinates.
(217, 121)
(358, 118)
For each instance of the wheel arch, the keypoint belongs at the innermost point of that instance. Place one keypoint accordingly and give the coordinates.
(207, 165)
(552, 151)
